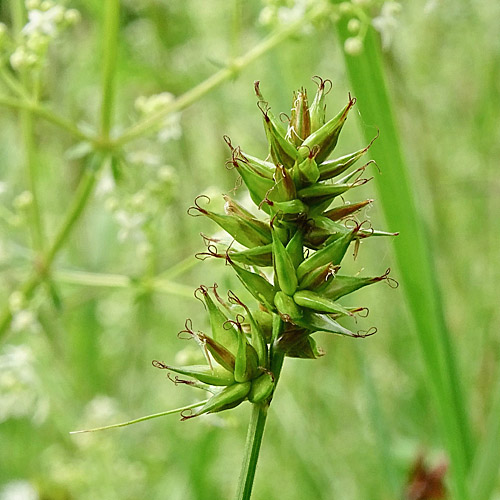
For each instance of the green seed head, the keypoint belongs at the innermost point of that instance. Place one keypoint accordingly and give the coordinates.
(288, 258)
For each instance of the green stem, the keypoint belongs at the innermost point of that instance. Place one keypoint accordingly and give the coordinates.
(111, 25)
(82, 196)
(258, 422)
(48, 115)
(104, 280)
(85, 278)
(252, 449)
(152, 121)
(36, 225)
(13, 83)
(27, 134)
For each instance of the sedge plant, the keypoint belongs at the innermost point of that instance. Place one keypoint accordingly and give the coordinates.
(289, 260)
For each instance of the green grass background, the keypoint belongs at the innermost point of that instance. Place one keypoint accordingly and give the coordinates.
(347, 426)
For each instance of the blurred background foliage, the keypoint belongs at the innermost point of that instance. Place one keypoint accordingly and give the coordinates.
(350, 425)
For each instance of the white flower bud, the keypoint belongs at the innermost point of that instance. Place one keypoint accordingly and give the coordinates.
(139, 200)
(57, 13)
(23, 200)
(267, 15)
(111, 204)
(23, 320)
(166, 174)
(72, 16)
(140, 103)
(18, 59)
(37, 43)
(353, 25)
(46, 5)
(144, 249)
(353, 46)
(16, 301)
(32, 4)
(3, 31)
(345, 8)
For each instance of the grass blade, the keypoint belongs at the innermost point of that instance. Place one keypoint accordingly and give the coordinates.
(141, 419)
(413, 253)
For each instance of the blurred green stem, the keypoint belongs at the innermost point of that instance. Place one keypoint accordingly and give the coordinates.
(13, 84)
(39, 110)
(82, 196)
(416, 264)
(28, 143)
(27, 134)
(110, 30)
(104, 280)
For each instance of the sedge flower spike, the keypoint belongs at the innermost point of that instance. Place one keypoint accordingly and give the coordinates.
(304, 234)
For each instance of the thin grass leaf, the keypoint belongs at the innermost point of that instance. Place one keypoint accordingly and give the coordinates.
(412, 251)
(142, 419)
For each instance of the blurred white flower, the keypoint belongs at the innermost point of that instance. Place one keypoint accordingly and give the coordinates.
(267, 15)
(72, 16)
(286, 12)
(101, 408)
(288, 15)
(20, 394)
(32, 4)
(106, 183)
(23, 200)
(18, 490)
(16, 301)
(130, 225)
(170, 124)
(386, 22)
(171, 128)
(19, 58)
(44, 22)
(167, 173)
(143, 250)
(23, 320)
(143, 157)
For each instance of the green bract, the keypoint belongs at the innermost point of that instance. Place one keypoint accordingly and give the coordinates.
(303, 234)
